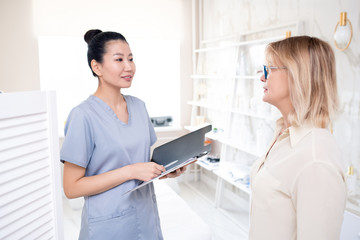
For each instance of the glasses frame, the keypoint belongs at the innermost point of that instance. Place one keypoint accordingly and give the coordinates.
(266, 70)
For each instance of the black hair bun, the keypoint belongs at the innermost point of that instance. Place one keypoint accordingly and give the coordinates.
(89, 35)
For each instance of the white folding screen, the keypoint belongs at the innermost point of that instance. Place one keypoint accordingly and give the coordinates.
(30, 186)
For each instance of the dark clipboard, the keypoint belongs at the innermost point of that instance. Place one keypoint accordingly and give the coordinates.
(179, 152)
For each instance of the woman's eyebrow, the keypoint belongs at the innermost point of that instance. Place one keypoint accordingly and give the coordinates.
(121, 54)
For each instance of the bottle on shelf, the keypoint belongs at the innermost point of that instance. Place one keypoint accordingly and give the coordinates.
(351, 181)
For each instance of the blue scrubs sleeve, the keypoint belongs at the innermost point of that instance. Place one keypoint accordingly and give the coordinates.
(78, 143)
(153, 137)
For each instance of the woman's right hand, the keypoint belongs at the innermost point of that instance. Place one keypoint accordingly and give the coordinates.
(146, 171)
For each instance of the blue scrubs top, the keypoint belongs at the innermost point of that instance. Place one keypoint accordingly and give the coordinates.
(98, 141)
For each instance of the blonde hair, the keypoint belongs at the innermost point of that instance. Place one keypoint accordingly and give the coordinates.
(310, 63)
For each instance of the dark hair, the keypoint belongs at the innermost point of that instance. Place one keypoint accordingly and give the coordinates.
(96, 40)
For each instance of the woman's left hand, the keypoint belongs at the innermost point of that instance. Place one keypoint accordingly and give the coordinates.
(175, 173)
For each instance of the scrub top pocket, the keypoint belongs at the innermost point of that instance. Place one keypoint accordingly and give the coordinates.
(122, 226)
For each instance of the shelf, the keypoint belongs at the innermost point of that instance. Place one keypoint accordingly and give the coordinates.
(194, 128)
(250, 77)
(208, 106)
(218, 39)
(214, 136)
(225, 176)
(207, 166)
(255, 115)
(247, 148)
(233, 110)
(353, 204)
(267, 29)
(206, 76)
(217, 137)
(167, 129)
(239, 44)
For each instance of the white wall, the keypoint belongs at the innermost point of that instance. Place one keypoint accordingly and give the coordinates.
(25, 20)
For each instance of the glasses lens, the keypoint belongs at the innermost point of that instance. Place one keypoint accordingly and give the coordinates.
(265, 72)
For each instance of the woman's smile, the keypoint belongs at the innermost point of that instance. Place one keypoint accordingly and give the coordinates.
(127, 77)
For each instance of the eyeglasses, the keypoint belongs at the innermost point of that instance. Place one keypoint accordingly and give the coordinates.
(266, 70)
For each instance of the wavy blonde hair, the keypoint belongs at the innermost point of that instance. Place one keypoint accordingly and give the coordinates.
(310, 63)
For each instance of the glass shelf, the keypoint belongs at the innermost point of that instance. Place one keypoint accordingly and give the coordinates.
(239, 44)
(233, 110)
(194, 128)
(208, 106)
(207, 166)
(224, 174)
(255, 115)
(247, 148)
(250, 77)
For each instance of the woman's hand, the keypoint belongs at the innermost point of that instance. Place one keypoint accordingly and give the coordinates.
(175, 173)
(146, 171)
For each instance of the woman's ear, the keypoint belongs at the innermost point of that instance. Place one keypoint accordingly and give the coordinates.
(96, 67)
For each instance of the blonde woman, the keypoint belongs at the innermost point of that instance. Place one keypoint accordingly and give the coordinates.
(298, 186)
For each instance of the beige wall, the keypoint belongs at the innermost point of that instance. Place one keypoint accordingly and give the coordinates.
(19, 64)
(23, 20)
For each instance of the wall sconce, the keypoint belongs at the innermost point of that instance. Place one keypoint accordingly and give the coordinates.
(288, 34)
(343, 32)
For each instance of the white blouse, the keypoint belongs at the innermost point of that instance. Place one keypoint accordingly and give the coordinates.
(298, 187)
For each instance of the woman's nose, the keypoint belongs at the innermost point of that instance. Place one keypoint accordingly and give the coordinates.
(262, 78)
(128, 65)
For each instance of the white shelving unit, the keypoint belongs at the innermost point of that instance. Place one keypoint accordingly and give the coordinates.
(228, 95)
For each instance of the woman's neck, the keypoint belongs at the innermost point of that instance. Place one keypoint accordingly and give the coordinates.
(285, 111)
(112, 97)
(286, 122)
